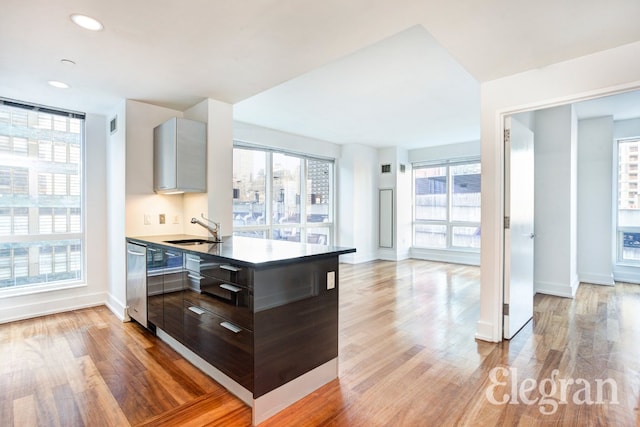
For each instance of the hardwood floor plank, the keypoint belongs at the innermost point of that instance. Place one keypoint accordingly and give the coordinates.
(208, 408)
(67, 409)
(24, 411)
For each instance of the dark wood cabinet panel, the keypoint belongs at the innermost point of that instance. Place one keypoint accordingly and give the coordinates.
(223, 344)
(165, 283)
(292, 339)
(300, 332)
(173, 315)
(155, 306)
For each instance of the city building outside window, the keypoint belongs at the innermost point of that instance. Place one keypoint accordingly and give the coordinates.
(628, 209)
(41, 226)
(446, 200)
(282, 196)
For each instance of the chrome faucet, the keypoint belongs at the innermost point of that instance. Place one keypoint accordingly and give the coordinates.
(213, 230)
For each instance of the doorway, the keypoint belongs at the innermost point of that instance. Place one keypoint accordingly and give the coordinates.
(575, 196)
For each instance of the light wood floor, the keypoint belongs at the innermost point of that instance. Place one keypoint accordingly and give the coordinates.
(407, 358)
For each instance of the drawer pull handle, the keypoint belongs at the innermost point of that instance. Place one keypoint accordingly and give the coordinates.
(196, 310)
(230, 326)
(172, 254)
(193, 258)
(135, 253)
(230, 267)
(230, 287)
(194, 277)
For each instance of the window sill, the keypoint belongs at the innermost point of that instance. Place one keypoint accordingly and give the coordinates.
(628, 273)
(455, 256)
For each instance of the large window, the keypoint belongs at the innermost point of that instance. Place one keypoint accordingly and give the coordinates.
(446, 200)
(628, 218)
(41, 225)
(282, 196)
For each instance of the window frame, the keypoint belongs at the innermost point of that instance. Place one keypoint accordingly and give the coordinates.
(448, 223)
(620, 230)
(72, 239)
(302, 225)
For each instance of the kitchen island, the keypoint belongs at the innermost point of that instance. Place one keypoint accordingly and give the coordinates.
(259, 316)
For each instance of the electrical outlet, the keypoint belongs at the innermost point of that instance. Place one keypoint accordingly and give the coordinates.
(331, 279)
(176, 219)
(161, 219)
(147, 219)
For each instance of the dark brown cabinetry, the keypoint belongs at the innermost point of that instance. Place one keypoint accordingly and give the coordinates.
(263, 327)
(220, 342)
(261, 323)
(218, 315)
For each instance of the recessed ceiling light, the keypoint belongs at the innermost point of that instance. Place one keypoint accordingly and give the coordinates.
(87, 22)
(59, 85)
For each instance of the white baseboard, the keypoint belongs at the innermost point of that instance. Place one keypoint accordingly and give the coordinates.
(46, 306)
(357, 258)
(392, 255)
(556, 289)
(276, 400)
(597, 279)
(117, 307)
(485, 332)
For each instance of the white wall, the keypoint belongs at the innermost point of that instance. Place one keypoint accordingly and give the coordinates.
(555, 195)
(94, 289)
(626, 128)
(400, 183)
(358, 202)
(462, 150)
(252, 134)
(598, 74)
(220, 164)
(115, 255)
(217, 203)
(595, 197)
(141, 118)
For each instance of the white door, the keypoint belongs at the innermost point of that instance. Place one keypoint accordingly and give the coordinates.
(518, 233)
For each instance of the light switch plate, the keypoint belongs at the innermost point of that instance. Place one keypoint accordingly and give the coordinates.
(331, 279)
(147, 219)
(161, 218)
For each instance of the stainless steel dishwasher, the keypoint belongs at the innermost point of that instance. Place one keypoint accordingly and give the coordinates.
(137, 282)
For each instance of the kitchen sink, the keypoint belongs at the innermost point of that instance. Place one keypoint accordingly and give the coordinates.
(189, 242)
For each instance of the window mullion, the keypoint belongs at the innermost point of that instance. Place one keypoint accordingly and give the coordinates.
(268, 197)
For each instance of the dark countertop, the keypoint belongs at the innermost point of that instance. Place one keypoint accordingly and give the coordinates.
(251, 252)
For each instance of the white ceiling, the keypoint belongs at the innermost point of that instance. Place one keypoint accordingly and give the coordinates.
(405, 90)
(377, 72)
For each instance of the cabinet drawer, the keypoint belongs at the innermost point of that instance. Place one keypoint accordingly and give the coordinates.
(236, 307)
(222, 343)
(200, 266)
(226, 272)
